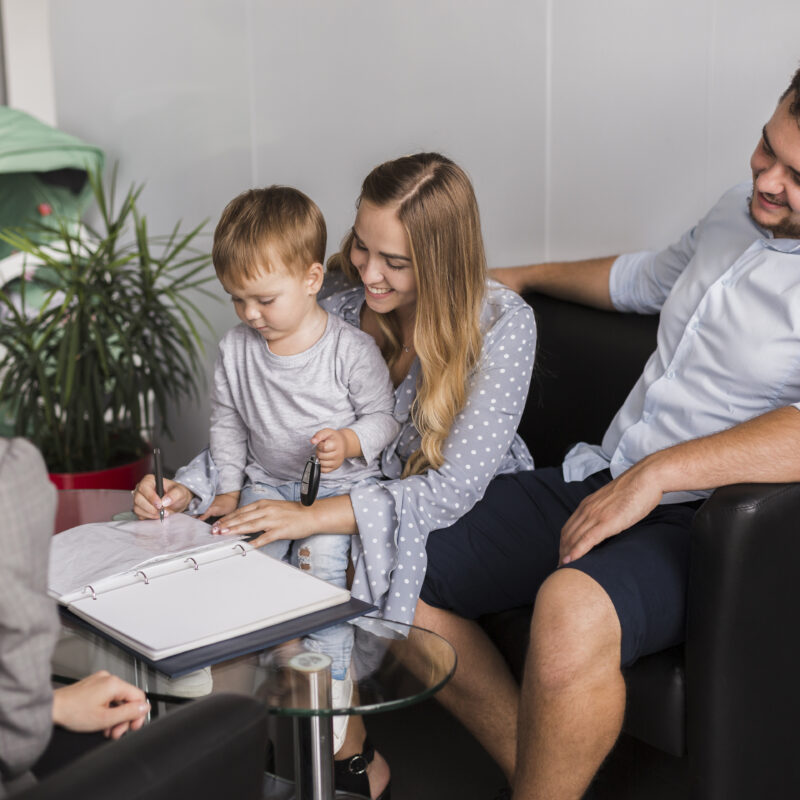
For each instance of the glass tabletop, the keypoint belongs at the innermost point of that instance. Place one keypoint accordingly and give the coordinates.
(79, 506)
(392, 664)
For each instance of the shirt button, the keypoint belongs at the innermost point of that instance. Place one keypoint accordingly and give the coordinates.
(670, 374)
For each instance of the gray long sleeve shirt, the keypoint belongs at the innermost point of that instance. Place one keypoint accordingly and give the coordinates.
(265, 408)
(28, 620)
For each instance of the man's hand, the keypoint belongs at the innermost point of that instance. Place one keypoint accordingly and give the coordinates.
(221, 505)
(146, 501)
(611, 510)
(333, 447)
(101, 702)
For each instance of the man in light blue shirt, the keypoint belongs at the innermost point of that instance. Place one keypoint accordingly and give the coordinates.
(717, 403)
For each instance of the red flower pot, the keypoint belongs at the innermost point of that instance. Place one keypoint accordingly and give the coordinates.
(125, 476)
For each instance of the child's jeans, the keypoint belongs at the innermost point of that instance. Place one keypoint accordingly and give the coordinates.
(325, 556)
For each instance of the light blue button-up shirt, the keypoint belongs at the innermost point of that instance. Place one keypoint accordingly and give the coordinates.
(728, 345)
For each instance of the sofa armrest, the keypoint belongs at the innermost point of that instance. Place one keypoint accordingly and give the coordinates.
(211, 748)
(743, 651)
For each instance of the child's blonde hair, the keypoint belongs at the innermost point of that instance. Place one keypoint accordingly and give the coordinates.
(260, 227)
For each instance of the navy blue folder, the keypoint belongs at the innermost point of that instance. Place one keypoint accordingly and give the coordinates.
(191, 660)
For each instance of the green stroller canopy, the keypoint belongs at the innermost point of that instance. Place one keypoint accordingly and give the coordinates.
(42, 171)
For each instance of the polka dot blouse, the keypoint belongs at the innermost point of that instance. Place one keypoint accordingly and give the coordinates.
(395, 516)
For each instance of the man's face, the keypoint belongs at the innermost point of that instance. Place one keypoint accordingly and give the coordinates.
(775, 163)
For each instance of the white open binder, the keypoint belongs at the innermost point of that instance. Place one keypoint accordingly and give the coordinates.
(167, 588)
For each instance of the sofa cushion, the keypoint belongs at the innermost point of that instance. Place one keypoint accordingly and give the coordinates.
(586, 363)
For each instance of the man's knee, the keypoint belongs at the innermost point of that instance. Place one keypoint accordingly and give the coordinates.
(430, 617)
(575, 632)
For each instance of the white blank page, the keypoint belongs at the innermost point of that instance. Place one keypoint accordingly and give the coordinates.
(192, 608)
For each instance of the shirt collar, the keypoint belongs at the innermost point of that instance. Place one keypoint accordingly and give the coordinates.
(782, 245)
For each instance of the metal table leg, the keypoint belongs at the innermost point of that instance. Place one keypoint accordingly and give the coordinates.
(313, 735)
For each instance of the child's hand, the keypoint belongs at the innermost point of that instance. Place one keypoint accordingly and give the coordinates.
(222, 504)
(331, 448)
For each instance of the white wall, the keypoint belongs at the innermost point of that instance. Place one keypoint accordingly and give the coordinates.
(28, 58)
(587, 127)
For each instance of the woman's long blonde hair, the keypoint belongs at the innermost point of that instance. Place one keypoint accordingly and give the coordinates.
(436, 204)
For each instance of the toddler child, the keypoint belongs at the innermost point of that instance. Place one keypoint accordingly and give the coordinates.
(293, 381)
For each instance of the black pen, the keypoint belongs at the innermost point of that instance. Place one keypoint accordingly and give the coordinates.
(159, 478)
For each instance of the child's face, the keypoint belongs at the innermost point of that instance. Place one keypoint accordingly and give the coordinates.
(277, 303)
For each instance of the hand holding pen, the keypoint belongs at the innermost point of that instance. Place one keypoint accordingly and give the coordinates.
(159, 479)
(147, 503)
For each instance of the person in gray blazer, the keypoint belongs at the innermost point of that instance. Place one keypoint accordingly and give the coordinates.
(29, 707)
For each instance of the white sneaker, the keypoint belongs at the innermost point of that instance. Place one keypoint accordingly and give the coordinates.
(195, 684)
(341, 697)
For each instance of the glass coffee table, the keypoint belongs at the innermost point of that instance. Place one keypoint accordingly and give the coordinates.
(393, 666)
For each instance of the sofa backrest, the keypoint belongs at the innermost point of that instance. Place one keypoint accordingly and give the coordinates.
(586, 363)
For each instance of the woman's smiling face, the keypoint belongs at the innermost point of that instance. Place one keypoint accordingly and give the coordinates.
(382, 255)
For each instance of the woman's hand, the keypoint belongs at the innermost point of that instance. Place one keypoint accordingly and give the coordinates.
(146, 501)
(278, 519)
(101, 702)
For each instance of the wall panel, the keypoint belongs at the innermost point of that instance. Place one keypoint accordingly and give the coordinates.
(587, 128)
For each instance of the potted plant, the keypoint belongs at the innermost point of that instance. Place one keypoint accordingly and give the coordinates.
(112, 337)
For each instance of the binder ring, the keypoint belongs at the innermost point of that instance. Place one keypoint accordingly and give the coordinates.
(241, 547)
(196, 566)
(146, 579)
(91, 589)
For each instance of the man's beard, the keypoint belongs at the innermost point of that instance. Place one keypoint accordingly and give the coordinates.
(787, 229)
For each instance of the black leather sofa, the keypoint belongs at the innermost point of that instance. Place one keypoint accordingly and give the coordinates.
(719, 717)
(208, 749)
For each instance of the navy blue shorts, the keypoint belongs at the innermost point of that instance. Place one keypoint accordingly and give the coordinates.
(497, 556)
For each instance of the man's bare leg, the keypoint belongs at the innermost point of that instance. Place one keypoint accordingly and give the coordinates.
(573, 693)
(482, 694)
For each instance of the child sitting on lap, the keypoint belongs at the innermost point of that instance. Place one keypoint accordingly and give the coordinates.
(293, 381)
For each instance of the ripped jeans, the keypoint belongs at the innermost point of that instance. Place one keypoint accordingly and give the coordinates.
(325, 556)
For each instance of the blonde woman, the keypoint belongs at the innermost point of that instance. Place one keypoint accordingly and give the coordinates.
(460, 349)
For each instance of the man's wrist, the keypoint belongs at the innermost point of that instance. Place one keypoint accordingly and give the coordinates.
(664, 470)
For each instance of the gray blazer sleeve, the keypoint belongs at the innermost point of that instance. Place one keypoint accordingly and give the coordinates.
(28, 622)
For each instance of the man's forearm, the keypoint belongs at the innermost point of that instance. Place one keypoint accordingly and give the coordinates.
(583, 282)
(765, 449)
